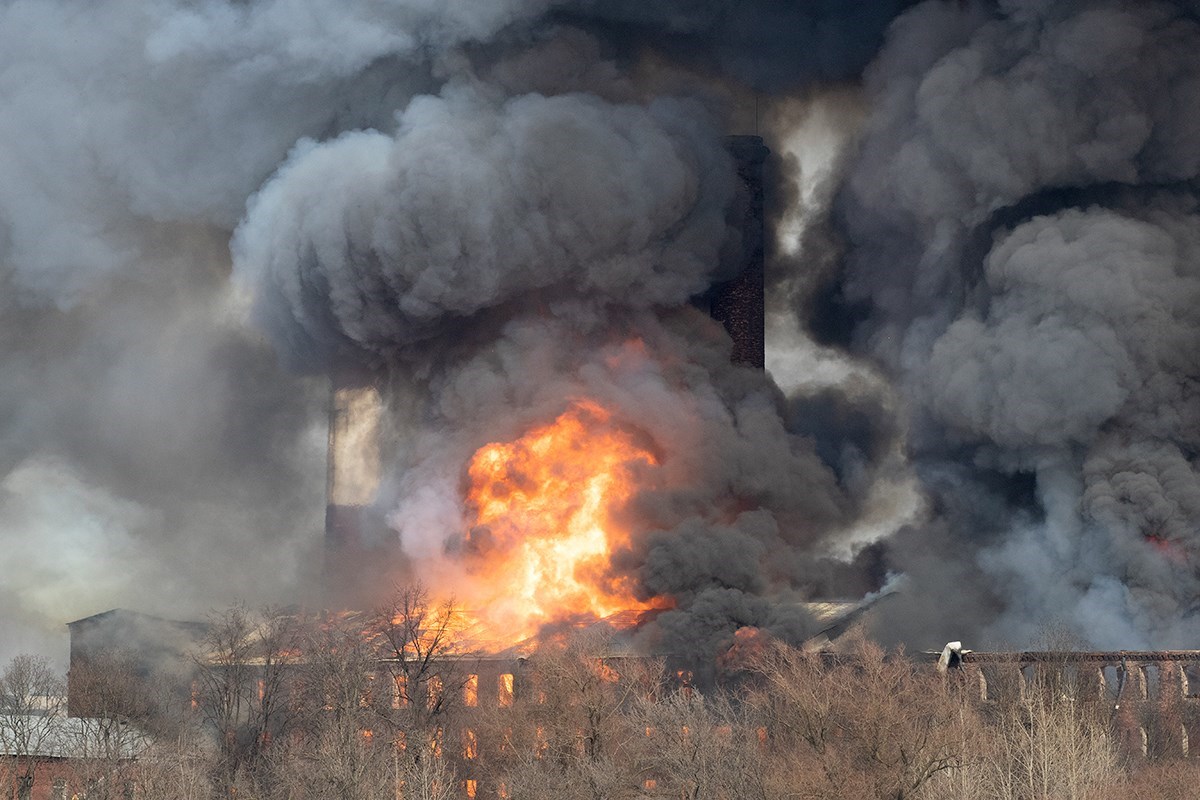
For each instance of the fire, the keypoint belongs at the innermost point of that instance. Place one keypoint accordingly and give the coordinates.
(1169, 548)
(544, 530)
(748, 643)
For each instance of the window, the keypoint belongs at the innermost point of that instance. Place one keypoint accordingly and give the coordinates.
(435, 743)
(400, 691)
(433, 692)
(470, 745)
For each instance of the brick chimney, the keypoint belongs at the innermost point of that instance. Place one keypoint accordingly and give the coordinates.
(739, 303)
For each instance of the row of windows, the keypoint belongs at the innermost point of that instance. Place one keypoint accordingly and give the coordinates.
(434, 689)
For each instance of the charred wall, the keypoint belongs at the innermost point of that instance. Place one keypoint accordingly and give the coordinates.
(1151, 697)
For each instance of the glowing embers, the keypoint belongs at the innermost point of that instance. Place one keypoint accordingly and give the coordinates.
(544, 530)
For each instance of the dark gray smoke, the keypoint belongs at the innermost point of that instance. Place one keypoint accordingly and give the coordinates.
(374, 242)
(720, 513)
(1023, 235)
(529, 236)
(771, 46)
(504, 207)
(484, 196)
(151, 451)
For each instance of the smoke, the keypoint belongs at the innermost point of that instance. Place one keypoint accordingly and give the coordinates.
(500, 208)
(718, 516)
(153, 453)
(435, 186)
(769, 46)
(374, 242)
(531, 234)
(1023, 228)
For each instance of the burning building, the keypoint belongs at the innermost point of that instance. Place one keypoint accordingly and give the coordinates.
(540, 538)
(492, 222)
(548, 531)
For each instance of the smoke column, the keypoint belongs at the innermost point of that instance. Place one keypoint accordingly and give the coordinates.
(499, 207)
(499, 256)
(1022, 229)
(486, 197)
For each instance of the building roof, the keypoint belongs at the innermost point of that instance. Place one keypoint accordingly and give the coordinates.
(74, 737)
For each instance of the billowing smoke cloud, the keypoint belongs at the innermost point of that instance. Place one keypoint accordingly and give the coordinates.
(514, 243)
(719, 517)
(152, 453)
(1023, 228)
(374, 242)
(506, 206)
(483, 195)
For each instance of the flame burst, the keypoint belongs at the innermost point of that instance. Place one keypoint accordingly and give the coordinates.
(544, 532)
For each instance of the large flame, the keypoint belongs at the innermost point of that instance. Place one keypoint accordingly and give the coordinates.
(544, 530)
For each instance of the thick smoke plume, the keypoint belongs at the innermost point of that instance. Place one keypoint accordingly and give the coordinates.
(483, 196)
(499, 208)
(374, 242)
(1023, 227)
(502, 257)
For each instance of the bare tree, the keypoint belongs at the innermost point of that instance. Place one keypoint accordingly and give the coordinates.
(122, 709)
(698, 747)
(571, 730)
(332, 705)
(856, 725)
(428, 778)
(420, 655)
(244, 668)
(388, 683)
(1047, 744)
(351, 743)
(31, 704)
(178, 767)
(1171, 780)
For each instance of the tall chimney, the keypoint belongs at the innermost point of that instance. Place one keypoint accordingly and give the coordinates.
(739, 303)
(352, 478)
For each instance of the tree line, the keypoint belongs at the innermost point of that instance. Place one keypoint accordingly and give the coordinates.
(276, 705)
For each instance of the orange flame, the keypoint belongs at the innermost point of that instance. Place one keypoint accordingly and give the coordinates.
(544, 531)
(748, 643)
